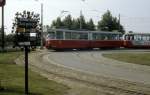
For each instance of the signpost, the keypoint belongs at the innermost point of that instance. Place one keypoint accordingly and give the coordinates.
(26, 25)
(24, 40)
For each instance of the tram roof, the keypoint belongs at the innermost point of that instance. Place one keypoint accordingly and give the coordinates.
(84, 31)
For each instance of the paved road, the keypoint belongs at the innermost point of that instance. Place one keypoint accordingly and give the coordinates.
(93, 62)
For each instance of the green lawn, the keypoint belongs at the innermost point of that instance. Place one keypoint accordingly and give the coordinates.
(137, 58)
(12, 79)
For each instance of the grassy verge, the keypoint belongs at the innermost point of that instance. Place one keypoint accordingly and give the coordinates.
(12, 79)
(137, 58)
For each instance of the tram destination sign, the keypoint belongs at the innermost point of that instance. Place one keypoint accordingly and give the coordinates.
(2, 2)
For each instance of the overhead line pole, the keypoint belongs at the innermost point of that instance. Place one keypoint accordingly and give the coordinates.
(80, 19)
(119, 24)
(3, 41)
(41, 25)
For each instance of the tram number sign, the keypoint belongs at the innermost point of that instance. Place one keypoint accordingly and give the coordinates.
(2, 3)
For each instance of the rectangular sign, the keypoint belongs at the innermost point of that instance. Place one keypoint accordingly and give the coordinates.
(2, 2)
(21, 29)
(24, 43)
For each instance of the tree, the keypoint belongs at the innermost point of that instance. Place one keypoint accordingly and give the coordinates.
(90, 25)
(10, 39)
(67, 22)
(71, 23)
(110, 23)
(83, 22)
(57, 23)
(75, 24)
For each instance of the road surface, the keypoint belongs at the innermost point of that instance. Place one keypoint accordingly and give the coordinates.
(94, 63)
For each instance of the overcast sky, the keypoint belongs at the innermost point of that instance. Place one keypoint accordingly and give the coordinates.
(135, 14)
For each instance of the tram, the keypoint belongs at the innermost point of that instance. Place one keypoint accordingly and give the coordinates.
(137, 40)
(59, 39)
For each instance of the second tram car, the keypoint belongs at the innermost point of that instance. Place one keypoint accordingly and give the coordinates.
(137, 40)
(70, 39)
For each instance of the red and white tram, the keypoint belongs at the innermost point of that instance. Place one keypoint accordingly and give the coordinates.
(70, 39)
(137, 40)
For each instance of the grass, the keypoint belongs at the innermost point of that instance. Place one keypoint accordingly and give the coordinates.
(12, 79)
(136, 58)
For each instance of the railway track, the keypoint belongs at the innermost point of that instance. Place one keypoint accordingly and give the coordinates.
(104, 85)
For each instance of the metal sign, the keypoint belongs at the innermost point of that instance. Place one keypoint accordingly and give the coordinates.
(26, 23)
(2, 3)
(24, 43)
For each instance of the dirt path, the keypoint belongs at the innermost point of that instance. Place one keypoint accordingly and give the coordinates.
(82, 83)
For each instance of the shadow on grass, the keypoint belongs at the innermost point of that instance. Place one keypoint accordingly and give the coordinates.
(16, 91)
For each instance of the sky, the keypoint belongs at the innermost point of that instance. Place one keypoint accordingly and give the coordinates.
(135, 14)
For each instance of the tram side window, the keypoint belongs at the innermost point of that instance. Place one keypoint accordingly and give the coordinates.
(140, 38)
(125, 37)
(149, 38)
(96, 36)
(146, 38)
(104, 37)
(83, 36)
(74, 35)
(113, 37)
(131, 37)
(59, 35)
(51, 35)
(120, 36)
(135, 37)
(68, 35)
(109, 37)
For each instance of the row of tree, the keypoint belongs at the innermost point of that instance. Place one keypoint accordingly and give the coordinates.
(72, 23)
(107, 23)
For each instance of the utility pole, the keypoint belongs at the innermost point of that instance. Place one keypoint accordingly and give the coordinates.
(81, 20)
(81, 26)
(41, 25)
(119, 23)
(3, 41)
